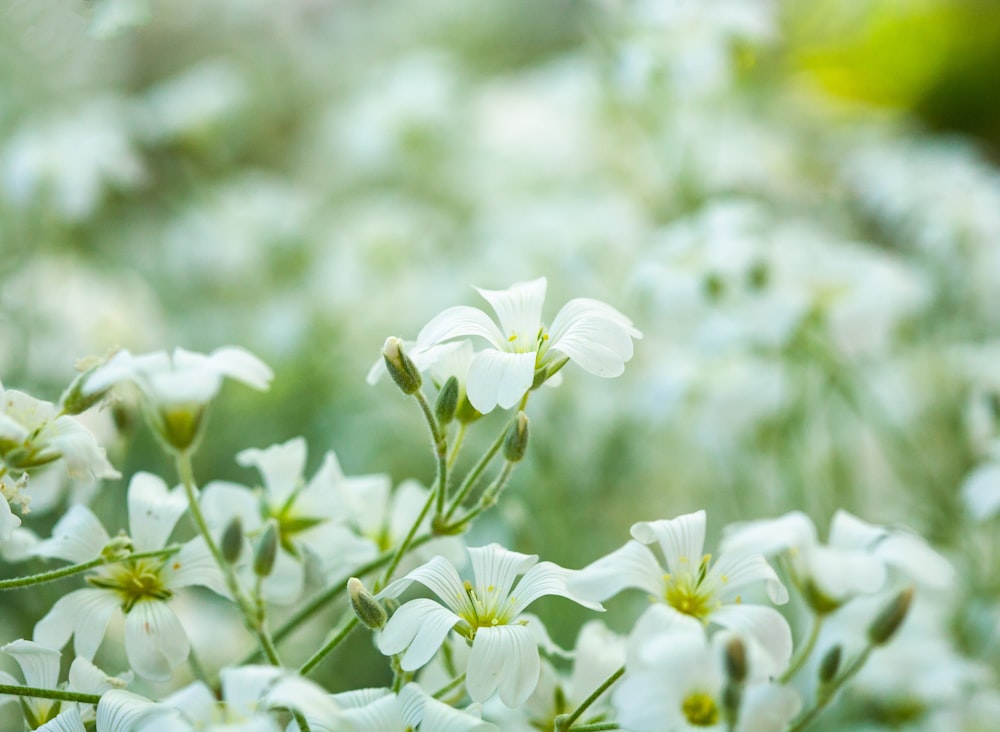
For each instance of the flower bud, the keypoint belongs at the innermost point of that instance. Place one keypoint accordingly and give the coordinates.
(892, 616)
(366, 607)
(401, 368)
(736, 660)
(75, 400)
(517, 439)
(447, 402)
(830, 665)
(117, 549)
(266, 550)
(232, 540)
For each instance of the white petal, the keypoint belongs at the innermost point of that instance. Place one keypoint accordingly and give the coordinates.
(682, 540)
(284, 585)
(768, 708)
(419, 627)
(153, 511)
(244, 687)
(319, 708)
(769, 536)
(519, 307)
(437, 575)
(87, 678)
(379, 715)
(735, 571)
(633, 565)
(495, 570)
(765, 624)
(421, 709)
(123, 711)
(496, 377)
(222, 500)
(916, 558)
(841, 573)
(195, 565)
(78, 536)
(457, 322)
(67, 721)
(39, 664)
(281, 467)
(546, 579)
(238, 363)
(8, 521)
(195, 701)
(155, 641)
(594, 335)
(981, 491)
(84, 614)
(503, 657)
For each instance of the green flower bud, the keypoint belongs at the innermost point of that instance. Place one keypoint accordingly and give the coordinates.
(736, 660)
(232, 540)
(830, 665)
(447, 402)
(517, 439)
(366, 607)
(892, 616)
(401, 368)
(266, 550)
(74, 401)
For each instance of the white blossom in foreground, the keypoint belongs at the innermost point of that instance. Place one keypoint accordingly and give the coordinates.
(177, 388)
(676, 677)
(379, 710)
(487, 612)
(588, 332)
(855, 560)
(155, 641)
(693, 585)
(249, 693)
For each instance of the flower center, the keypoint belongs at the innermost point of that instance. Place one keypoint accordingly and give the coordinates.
(685, 593)
(485, 612)
(700, 709)
(133, 580)
(521, 343)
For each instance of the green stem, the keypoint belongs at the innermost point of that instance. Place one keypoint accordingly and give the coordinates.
(826, 693)
(404, 545)
(186, 473)
(450, 686)
(55, 574)
(57, 694)
(477, 470)
(300, 720)
(440, 439)
(459, 439)
(489, 497)
(596, 726)
(804, 652)
(565, 721)
(322, 653)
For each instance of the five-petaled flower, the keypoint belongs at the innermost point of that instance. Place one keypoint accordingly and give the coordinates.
(523, 353)
(487, 612)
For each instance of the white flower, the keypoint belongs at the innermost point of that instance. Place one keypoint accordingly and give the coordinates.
(693, 585)
(34, 433)
(675, 680)
(487, 612)
(177, 389)
(308, 515)
(379, 710)
(589, 332)
(155, 641)
(854, 561)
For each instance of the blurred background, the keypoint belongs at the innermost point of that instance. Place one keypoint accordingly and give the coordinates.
(797, 203)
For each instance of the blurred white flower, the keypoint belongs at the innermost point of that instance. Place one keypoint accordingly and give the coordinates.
(379, 710)
(192, 101)
(588, 332)
(693, 585)
(487, 612)
(155, 641)
(675, 680)
(73, 159)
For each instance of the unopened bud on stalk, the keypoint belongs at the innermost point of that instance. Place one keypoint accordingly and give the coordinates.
(74, 400)
(736, 660)
(892, 616)
(401, 368)
(366, 607)
(266, 550)
(517, 439)
(232, 540)
(117, 549)
(830, 665)
(447, 402)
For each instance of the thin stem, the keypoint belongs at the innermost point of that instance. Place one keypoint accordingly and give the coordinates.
(596, 726)
(826, 693)
(300, 720)
(186, 473)
(477, 470)
(404, 545)
(57, 694)
(450, 686)
(489, 497)
(463, 427)
(322, 653)
(440, 439)
(68, 571)
(565, 721)
(805, 650)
